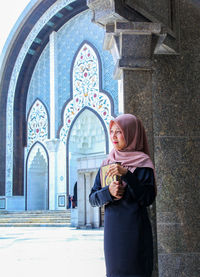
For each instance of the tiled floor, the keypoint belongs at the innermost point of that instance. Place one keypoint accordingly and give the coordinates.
(51, 252)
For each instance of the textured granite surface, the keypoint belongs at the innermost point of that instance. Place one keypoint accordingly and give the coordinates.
(179, 265)
(138, 101)
(177, 166)
(177, 95)
(160, 9)
(176, 106)
(138, 98)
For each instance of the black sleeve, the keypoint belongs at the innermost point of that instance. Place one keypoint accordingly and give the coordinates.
(99, 196)
(141, 185)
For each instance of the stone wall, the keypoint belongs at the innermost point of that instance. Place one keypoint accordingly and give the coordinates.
(176, 113)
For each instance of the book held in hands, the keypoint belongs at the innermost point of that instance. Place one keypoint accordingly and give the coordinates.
(107, 180)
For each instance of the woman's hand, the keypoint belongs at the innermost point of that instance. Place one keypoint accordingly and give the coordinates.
(116, 169)
(116, 189)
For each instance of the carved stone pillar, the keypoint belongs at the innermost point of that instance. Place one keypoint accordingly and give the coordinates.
(132, 46)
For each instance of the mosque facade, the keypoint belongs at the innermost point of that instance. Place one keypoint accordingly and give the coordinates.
(67, 68)
(70, 98)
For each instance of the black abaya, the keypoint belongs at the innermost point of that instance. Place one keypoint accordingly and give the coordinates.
(128, 244)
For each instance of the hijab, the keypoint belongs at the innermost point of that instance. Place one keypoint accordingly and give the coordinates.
(136, 151)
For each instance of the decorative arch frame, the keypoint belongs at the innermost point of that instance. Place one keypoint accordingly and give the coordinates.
(27, 158)
(48, 121)
(71, 109)
(99, 62)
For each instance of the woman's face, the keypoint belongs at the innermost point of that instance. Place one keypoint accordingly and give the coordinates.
(117, 137)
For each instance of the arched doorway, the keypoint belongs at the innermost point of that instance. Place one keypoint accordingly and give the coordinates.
(87, 140)
(37, 189)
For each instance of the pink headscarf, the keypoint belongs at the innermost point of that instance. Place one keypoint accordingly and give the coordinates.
(136, 152)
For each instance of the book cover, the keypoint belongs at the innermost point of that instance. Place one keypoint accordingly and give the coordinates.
(107, 180)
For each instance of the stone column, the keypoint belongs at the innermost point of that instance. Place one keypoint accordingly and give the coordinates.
(87, 204)
(53, 145)
(81, 199)
(95, 210)
(132, 45)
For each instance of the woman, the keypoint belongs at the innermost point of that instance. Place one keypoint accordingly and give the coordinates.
(128, 243)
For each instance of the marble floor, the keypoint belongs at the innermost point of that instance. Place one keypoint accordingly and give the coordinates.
(46, 251)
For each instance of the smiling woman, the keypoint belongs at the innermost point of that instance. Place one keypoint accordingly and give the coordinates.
(128, 241)
(117, 137)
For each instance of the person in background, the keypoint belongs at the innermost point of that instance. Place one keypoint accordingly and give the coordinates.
(69, 202)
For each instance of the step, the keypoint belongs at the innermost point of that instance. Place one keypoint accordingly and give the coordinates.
(35, 218)
(57, 220)
(19, 224)
(36, 212)
(34, 215)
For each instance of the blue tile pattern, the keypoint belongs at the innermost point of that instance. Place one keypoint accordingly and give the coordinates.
(40, 82)
(68, 40)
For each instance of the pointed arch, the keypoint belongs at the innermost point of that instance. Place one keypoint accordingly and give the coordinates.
(85, 74)
(86, 134)
(37, 123)
(100, 119)
(37, 147)
(86, 89)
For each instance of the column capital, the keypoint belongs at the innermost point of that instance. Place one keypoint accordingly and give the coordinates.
(140, 16)
(53, 144)
(132, 44)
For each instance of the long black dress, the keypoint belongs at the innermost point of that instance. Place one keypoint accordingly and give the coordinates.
(128, 244)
